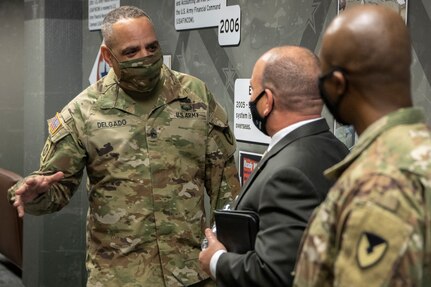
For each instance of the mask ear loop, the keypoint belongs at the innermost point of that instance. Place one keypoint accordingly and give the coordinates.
(112, 54)
(272, 105)
(346, 83)
(116, 79)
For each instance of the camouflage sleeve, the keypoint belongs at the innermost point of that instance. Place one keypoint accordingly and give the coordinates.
(382, 239)
(374, 240)
(221, 174)
(315, 259)
(61, 152)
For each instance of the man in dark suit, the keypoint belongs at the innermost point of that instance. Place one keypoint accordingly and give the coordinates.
(288, 183)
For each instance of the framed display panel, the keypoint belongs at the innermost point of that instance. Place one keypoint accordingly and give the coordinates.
(247, 163)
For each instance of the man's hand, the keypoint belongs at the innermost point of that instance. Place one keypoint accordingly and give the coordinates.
(32, 187)
(213, 246)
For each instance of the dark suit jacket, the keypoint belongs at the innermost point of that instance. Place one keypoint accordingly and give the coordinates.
(284, 189)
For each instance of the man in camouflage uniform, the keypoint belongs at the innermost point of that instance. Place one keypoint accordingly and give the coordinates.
(374, 227)
(153, 141)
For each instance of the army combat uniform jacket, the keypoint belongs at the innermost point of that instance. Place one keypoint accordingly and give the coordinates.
(374, 227)
(147, 174)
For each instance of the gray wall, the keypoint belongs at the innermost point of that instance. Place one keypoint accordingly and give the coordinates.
(54, 245)
(55, 62)
(12, 66)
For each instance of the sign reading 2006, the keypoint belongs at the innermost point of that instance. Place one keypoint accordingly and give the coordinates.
(196, 14)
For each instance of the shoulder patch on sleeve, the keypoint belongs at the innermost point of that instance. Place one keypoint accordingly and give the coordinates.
(57, 128)
(374, 239)
(370, 249)
(54, 124)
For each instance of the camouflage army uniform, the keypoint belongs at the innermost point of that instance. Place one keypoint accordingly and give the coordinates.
(374, 227)
(147, 174)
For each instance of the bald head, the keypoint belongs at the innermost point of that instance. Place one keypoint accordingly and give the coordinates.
(372, 43)
(365, 61)
(291, 72)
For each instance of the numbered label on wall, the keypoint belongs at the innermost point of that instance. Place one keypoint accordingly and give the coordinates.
(197, 14)
(229, 27)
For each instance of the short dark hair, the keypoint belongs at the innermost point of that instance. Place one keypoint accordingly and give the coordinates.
(122, 12)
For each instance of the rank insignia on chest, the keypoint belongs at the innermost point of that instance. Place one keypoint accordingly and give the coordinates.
(371, 249)
(186, 107)
(54, 124)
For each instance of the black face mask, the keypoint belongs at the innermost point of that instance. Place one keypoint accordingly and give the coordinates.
(259, 122)
(333, 107)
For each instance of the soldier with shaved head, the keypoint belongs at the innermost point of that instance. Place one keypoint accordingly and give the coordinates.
(374, 228)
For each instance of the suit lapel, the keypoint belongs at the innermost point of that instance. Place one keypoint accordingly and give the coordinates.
(253, 175)
(306, 130)
(312, 128)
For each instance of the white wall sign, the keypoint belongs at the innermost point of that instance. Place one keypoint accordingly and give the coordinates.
(196, 14)
(100, 69)
(244, 129)
(97, 10)
(229, 28)
(167, 59)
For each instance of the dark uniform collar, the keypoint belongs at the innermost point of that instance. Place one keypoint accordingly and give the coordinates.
(401, 116)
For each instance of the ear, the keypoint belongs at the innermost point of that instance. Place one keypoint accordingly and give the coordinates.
(106, 54)
(340, 82)
(269, 102)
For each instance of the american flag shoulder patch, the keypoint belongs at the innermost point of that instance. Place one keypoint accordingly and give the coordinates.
(54, 124)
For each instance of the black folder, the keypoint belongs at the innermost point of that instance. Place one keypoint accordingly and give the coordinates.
(237, 229)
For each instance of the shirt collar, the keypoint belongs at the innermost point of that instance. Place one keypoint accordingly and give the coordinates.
(285, 131)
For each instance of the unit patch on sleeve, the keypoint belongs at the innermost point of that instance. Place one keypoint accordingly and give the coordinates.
(371, 248)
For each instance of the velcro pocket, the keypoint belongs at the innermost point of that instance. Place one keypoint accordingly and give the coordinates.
(221, 132)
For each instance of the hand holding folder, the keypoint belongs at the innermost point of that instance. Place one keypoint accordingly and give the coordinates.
(237, 229)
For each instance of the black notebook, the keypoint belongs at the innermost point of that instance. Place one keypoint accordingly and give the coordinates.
(237, 229)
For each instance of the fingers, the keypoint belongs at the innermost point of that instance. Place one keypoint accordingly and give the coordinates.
(56, 177)
(48, 180)
(29, 184)
(210, 235)
(38, 184)
(20, 210)
(32, 187)
(19, 205)
(206, 255)
(213, 242)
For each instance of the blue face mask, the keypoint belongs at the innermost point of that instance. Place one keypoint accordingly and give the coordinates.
(259, 122)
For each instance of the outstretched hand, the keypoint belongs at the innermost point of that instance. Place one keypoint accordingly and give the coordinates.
(32, 187)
